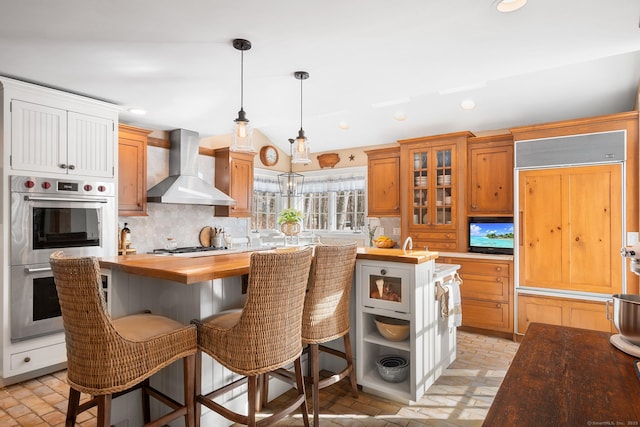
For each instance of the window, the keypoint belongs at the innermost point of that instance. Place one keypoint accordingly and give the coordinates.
(330, 201)
(264, 210)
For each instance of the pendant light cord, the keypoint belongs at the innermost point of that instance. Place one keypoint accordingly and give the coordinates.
(242, 79)
(301, 103)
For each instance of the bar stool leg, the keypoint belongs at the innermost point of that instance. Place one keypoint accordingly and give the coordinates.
(104, 410)
(300, 384)
(73, 404)
(188, 371)
(314, 364)
(352, 373)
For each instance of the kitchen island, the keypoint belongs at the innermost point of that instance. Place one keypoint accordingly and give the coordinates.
(187, 288)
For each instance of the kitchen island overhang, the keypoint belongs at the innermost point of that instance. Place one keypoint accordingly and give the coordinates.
(198, 269)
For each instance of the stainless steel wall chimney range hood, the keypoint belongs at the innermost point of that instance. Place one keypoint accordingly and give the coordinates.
(183, 185)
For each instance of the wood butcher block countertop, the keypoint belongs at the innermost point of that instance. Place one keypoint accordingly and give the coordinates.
(200, 269)
(564, 376)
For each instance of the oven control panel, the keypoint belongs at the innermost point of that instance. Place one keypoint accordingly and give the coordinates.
(31, 184)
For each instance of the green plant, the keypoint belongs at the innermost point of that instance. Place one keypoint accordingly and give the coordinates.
(290, 215)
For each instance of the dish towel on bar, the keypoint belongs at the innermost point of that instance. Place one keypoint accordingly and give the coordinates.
(454, 305)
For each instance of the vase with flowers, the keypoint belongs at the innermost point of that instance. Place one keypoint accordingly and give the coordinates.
(289, 220)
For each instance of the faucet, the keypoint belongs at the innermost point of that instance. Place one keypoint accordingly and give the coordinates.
(407, 242)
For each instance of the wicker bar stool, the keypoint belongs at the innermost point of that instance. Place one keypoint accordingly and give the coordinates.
(326, 314)
(108, 358)
(263, 337)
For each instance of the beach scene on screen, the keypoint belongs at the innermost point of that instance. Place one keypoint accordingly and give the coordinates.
(491, 235)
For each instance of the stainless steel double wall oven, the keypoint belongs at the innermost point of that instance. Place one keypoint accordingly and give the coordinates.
(50, 214)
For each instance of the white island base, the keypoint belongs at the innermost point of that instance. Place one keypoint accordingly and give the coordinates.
(132, 293)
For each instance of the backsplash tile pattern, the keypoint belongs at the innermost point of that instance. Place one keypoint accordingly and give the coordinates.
(182, 222)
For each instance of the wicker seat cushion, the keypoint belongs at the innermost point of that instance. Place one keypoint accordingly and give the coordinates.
(141, 327)
(225, 319)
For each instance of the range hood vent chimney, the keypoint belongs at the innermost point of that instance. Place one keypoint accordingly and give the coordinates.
(183, 185)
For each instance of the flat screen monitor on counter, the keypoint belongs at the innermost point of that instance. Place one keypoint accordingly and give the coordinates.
(491, 235)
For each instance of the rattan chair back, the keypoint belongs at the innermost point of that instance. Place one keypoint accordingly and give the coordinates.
(100, 360)
(326, 307)
(267, 335)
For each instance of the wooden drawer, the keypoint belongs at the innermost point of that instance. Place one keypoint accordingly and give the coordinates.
(486, 315)
(562, 311)
(498, 269)
(435, 245)
(435, 235)
(489, 288)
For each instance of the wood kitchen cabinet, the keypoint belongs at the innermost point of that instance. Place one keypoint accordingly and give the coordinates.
(234, 176)
(132, 170)
(432, 186)
(46, 139)
(563, 312)
(574, 208)
(490, 175)
(486, 292)
(572, 228)
(383, 182)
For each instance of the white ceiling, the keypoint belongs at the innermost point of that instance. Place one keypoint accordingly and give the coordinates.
(367, 60)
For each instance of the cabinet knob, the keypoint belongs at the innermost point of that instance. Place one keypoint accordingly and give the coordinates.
(498, 305)
(498, 268)
(63, 166)
(72, 167)
(27, 359)
(383, 272)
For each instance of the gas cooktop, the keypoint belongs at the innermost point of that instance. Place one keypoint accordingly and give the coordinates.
(187, 250)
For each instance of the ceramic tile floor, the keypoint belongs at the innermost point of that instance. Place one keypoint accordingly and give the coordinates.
(460, 397)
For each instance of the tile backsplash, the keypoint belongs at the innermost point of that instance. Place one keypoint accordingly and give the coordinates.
(182, 222)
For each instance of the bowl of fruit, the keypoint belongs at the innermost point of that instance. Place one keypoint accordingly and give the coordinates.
(384, 242)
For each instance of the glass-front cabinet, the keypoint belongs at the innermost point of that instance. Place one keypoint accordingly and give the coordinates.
(432, 183)
(433, 189)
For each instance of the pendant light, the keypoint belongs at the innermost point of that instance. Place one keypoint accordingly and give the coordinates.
(291, 183)
(301, 149)
(242, 132)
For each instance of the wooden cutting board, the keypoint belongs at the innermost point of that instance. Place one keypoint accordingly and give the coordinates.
(205, 236)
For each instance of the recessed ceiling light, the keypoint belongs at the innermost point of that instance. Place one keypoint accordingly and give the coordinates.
(399, 116)
(468, 104)
(343, 125)
(510, 5)
(137, 111)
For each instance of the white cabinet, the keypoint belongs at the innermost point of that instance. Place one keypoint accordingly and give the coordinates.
(409, 295)
(53, 140)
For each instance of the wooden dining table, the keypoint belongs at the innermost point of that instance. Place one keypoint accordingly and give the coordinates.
(562, 376)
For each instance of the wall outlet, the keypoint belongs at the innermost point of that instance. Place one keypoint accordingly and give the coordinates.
(632, 238)
(396, 231)
(381, 231)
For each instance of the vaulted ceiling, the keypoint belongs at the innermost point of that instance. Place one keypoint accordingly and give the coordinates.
(370, 62)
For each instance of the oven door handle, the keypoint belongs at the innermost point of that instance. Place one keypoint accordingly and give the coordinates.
(62, 199)
(36, 270)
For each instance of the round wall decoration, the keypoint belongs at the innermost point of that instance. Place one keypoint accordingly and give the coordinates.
(269, 155)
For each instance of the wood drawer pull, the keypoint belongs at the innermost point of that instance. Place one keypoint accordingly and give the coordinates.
(498, 268)
(498, 305)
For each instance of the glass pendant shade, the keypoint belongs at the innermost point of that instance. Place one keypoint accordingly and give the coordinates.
(301, 145)
(301, 149)
(242, 135)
